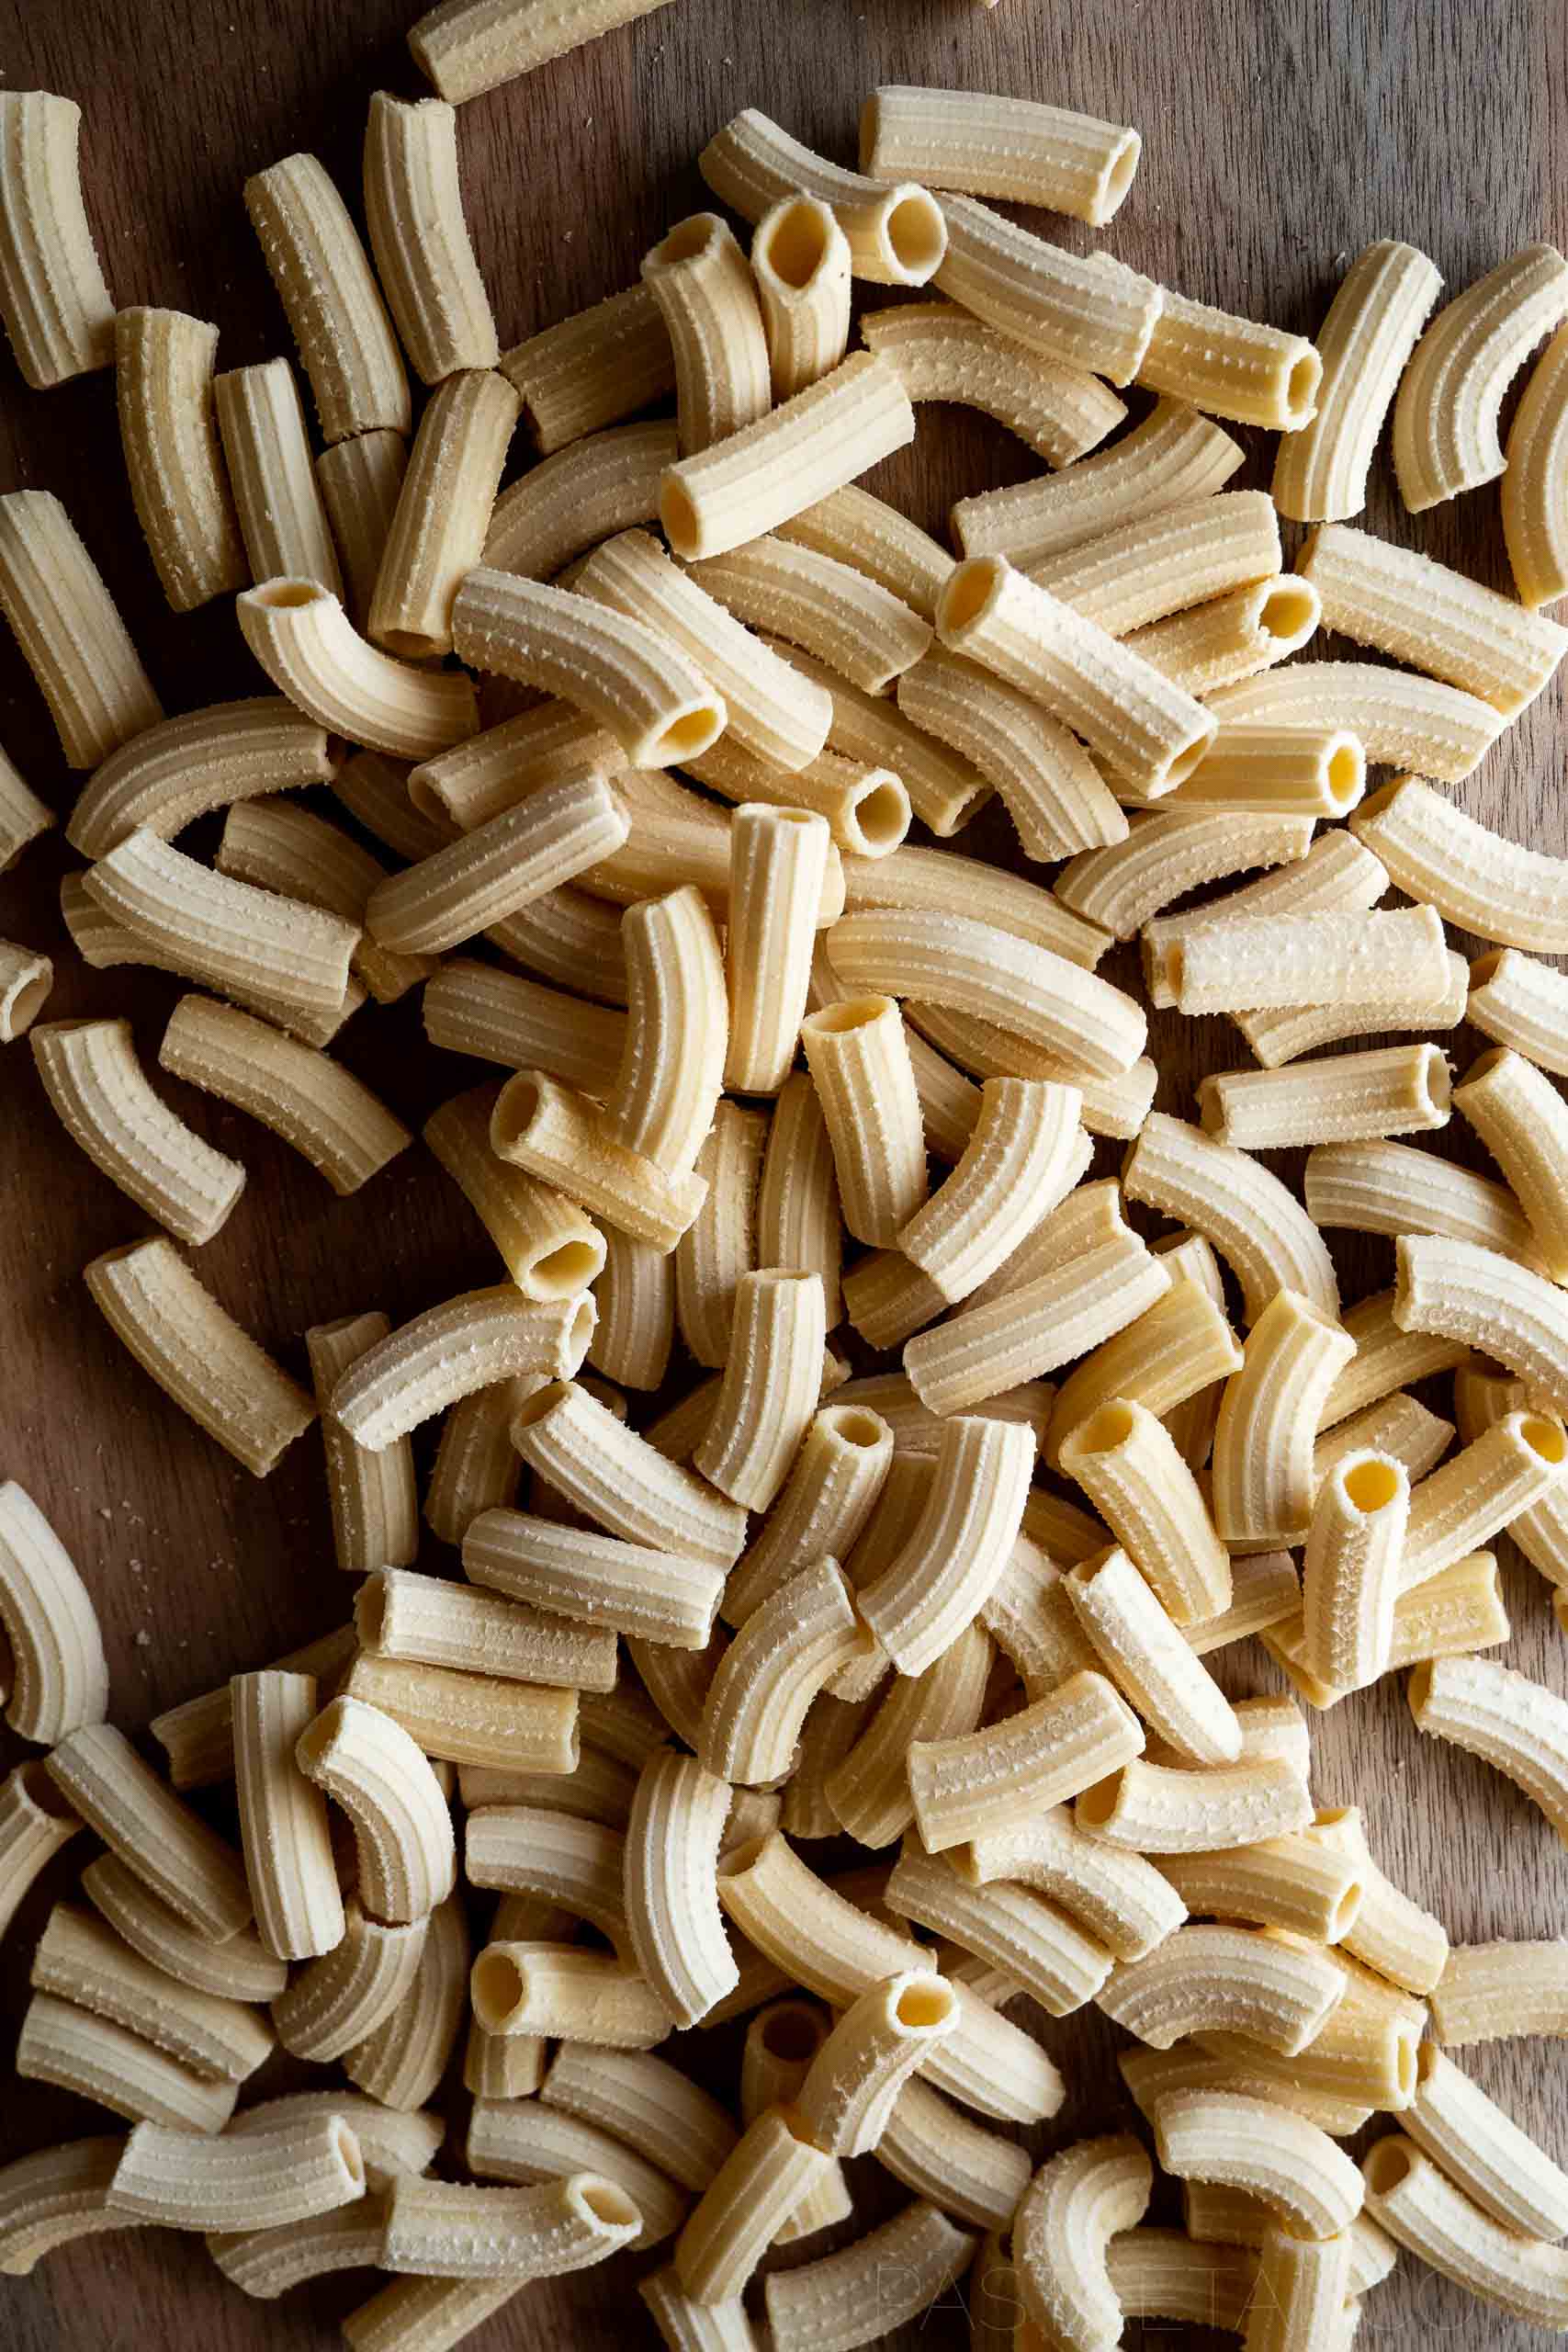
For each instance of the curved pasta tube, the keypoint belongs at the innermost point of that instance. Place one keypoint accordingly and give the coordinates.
(1238, 1980)
(1532, 527)
(371, 1766)
(972, 1783)
(98, 2060)
(1446, 435)
(473, 1719)
(841, 617)
(1076, 2202)
(1017, 1165)
(164, 388)
(1491, 1992)
(69, 632)
(173, 773)
(934, 1586)
(622, 1481)
(551, 1247)
(787, 1649)
(1095, 314)
(467, 1342)
(1297, 1883)
(1414, 2199)
(1262, 1482)
(940, 352)
(1517, 1726)
(555, 1859)
(355, 1986)
(1165, 853)
(439, 524)
(1521, 1003)
(772, 1380)
(585, 493)
(57, 311)
(60, 1677)
(896, 233)
(375, 1509)
(1521, 1118)
(673, 1921)
(1484, 2152)
(510, 862)
(879, 2282)
(1127, 1462)
(283, 1817)
(646, 2103)
(1145, 1654)
(1238, 2141)
(868, 1790)
(413, 209)
(1369, 334)
(1473, 875)
(56, 2195)
(252, 2180)
(527, 2142)
(1231, 637)
(1009, 1927)
(1166, 2274)
(23, 816)
(936, 2150)
(439, 2229)
(36, 1820)
(801, 263)
(327, 286)
(1351, 1582)
(1144, 569)
(849, 2091)
(277, 492)
(1250, 1217)
(1008, 147)
(1052, 789)
(1173, 457)
(1462, 1296)
(1163, 1809)
(311, 649)
(703, 284)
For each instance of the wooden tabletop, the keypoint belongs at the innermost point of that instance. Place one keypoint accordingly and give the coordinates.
(1280, 137)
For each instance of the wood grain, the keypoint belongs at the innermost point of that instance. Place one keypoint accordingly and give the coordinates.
(1281, 135)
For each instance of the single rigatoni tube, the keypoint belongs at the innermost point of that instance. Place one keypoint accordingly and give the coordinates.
(413, 206)
(935, 1584)
(816, 442)
(703, 284)
(206, 759)
(1300, 2297)
(719, 1245)
(858, 1055)
(1173, 457)
(1231, 637)
(662, 1102)
(1172, 1353)
(1052, 789)
(1256, 963)
(773, 2166)
(896, 234)
(1491, 1992)
(1351, 1098)
(1414, 2199)
(278, 500)
(1369, 334)
(622, 1482)
(882, 2281)
(1483, 2151)
(248, 2180)
(968, 1784)
(466, 47)
(1095, 314)
(1532, 526)
(36, 1820)
(674, 1924)
(592, 368)
(1252, 1219)
(164, 388)
(1126, 1462)
(868, 1791)
(1434, 619)
(70, 634)
(101, 2061)
(360, 481)
(442, 519)
(584, 493)
(1270, 1414)
(1390, 1933)
(1294, 1883)
(476, 1466)
(552, 1250)
(636, 1298)
(1458, 1296)
(1167, 1809)
(1019, 1164)
(26, 979)
(472, 1718)
(559, 1137)
(352, 1989)
(797, 1214)
(372, 1768)
(877, 539)
(59, 313)
(801, 266)
(772, 1380)
(1389, 1188)
(1230, 366)
(981, 145)
(525, 2141)
(575, 1996)
(1168, 851)
(1144, 1653)
(497, 1016)
(1285, 1033)
(1238, 2141)
(1521, 1003)
(1473, 876)
(467, 1342)
(288, 851)
(1029, 1942)
(54, 2197)
(329, 291)
(313, 652)
(647, 2104)
(1144, 569)
(1023, 1332)
(1521, 1119)
(1337, 874)
(841, 617)
(502, 866)
(1351, 1579)
(79, 1959)
(778, 863)
(1077, 2201)
(1148, 732)
(93, 1080)
(594, 1579)
(1446, 435)
(197, 1738)
(283, 1817)
(374, 1507)
(184, 1861)
(1517, 1726)
(784, 1654)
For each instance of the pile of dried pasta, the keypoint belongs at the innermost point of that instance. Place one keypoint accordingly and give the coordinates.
(799, 1606)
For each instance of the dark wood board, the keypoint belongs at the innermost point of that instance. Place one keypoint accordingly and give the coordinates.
(1281, 135)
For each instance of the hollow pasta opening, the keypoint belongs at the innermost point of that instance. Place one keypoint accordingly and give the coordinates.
(686, 239)
(347, 2147)
(1387, 2165)
(584, 1317)
(291, 595)
(1118, 179)
(740, 1859)
(316, 1738)
(1096, 1804)
(570, 1267)
(840, 1020)
(1435, 1084)
(688, 736)
(370, 1612)
(916, 233)
(1370, 1485)
(1345, 1910)
(1404, 2067)
(1181, 764)
(1487, 968)
(971, 587)
(922, 2006)
(1419, 1687)
(408, 644)
(517, 1107)
(540, 1404)
(856, 1426)
(26, 1000)
(605, 2202)
(423, 796)
(1347, 775)
(1112, 1426)
(1544, 1437)
(678, 519)
(797, 239)
(792, 2033)
(496, 1987)
(882, 816)
(1428, 2057)
(1287, 609)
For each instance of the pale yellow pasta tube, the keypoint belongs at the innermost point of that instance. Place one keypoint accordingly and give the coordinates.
(559, 1137)
(476, 1467)
(1300, 2299)
(1150, 2073)
(59, 313)
(296, 854)
(1148, 732)
(1390, 1933)
(584, 493)
(1400, 718)
(328, 289)
(866, 806)
(944, 791)
(413, 208)
(592, 368)
(359, 481)
(839, 616)
(594, 1579)
(60, 1679)
(1166, 1809)
(969, 1784)
(1451, 1614)
(1174, 455)
(645, 2102)
(934, 1586)
(896, 233)
(555, 1859)
(374, 791)
(797, 1214)
(676, 1926)
(1012, 1929)
(211, 1369)
(1286, 1033)
(551, 1247)
(1052, 789)
(1308, 771)
(814, 442)
(1179, 1347)
(54, 2197)
(79, 1959)
(23, 816)
(1077, 2201)
(849, 2090)
(499, 1016)
(636, 1298)
(858, 1055)
(877, 539)
(1387, 1357)
(375, 1509)
(1239, 2142)
(278, 499)
(1017, 1167)
(1490, 1991)
(403, 2059)
(524, 2141)
(555, 1989)
(940, 2152)
(1413, 2198)
(944, 354)
(442, 519)
(1127, 1462)
(703, 284)
(1145, 1654)
(164, 388)
(372, 1768)
(442, 2230)
(425, 2314)
(1517, 1726)
(352, 1989)
(1389, 1188)
(1521, 1003)
(622, 1482)
(301, 1093)
(206, 759)
(1484, 2152)
(93, 1078)
(36, 1820)
(307, 646)
(266, 2263)
(1166, 2274)
(719, 1245)
(103, 2062)
(784, 1654)
(1255, 964)
(778, 862)
(468, 1342)
(772, 2166)
(1229, 367)
(283, 1817)
(868, 1791)
(801, 263)
(1473, 876)
(1295, 1882)
(1481, 1399)
(1232, 637)
(1168, 852)
(772, 1380)
(197, 1738)
(1351, 1098)
(1014, 148)
(1521, 1119)
(1461, 1296)
(471, 1718)
(1335, 875)
(1433, 618)
(1369, 334)
(1242, 1208)
(1262, 1482)
(1531, 525)
(881, 2281)
(1095, 314)
(1446, 435)
(69, 634)
(1143, 569)
(1354, 1545)
(250, 2181)
(476, 881)
(194, 1870)
(688, 2326)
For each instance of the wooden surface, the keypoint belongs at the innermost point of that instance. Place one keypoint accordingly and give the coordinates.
(1280, 136)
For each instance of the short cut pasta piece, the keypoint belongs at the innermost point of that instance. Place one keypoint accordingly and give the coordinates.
(1413, 2198)
(413, 206)
(967, 1785)
(1460, 1296)
(313, 652)
(36, 1820)
(1369, 334)
(801, 263)
(277, 495)
(197, 1872)
(60, 1678)
(58, 312)
(328, 289)
(1532, 526)
(1473, 876)
(1512, 1722)
(283, 1817)
(1251, 1218)
(1238, 2141)
(371, 1766)
(468, 1342)
(883, 2280)
(467, 47)
(1446, 435)
(1077, 2201)
(896, 233)
(164, 388)
(71, 636)
(1015, 148)
(360, 481)
(942, 353)
(703, 284)
(1052, 789)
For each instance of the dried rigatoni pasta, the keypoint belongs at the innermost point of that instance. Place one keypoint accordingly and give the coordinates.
(895, 233)
(360, 481)
(840, 616)
(413, 208)
(1231, 637)
(79, 1959)
(194, 1870)
(375, 1509)
(1077, 2201)
(1052, 789)
(55, 2196)
(313, 652)
(621, 1481)
(36, 1820)
(594, 1579)
(23, 816)
(1166, 852)
(1369, 334)
(1530, 525)
(801, 266)
(582, 494)
(58, 312)
(401, 1615)
(103, 2062)
(1350, 1098)
(592, 368)
(674, 1924)
(1166, 1809)
(26, 979)
(197, 1738)
(278, 500)
(525, 2141)
(1473, 875)
(163, 389)
(858, 1055)
(1457, 1294)
(329, 291)
(1095, 314)
(701, 280)
(371, 1766)
(515, 858)
(1513, 1723)
(442, 519)
(868, 1791)
(967, 1784)
(1518, 1001)
(472, 1718)
(283, 1817)
(1262, 1481)
(1127, 1462)
(1251, 1218)
(205, 759)
(559, 1137)
(719, 1245)
(71, 636)
(1446, 435)
(772, 1380)
(93, 1078)
(883, 2280)
(788, 1649)
(876, 539)
(1414, 2199)
(1143, 1651)
(981, 145)
(467, 1342)
(1173, 457)
(1521, 1119)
